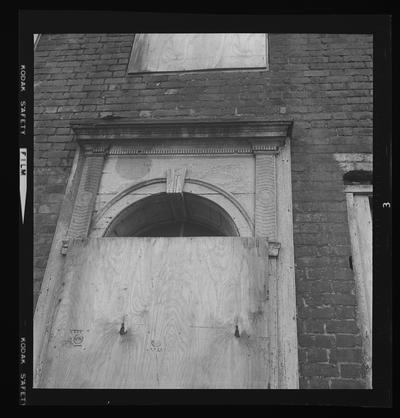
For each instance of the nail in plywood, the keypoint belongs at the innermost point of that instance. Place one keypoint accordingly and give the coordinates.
(193, 314)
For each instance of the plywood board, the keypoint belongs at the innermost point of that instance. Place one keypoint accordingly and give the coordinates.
(162, 313)
(197, 51)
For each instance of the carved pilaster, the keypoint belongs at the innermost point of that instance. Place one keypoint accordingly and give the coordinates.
(86, 195)
(265, 195)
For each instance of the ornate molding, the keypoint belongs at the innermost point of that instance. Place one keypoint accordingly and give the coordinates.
(265, 196)
(118, 136)
(85, 199)
(188, 148)
(258, 146)
(187, 136)
(150, 182)
(95, 149)
(185, 148)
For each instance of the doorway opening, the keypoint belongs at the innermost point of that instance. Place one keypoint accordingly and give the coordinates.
(173, 215)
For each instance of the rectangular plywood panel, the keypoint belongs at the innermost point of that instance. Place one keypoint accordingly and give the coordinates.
(197, 51)
(162, 313)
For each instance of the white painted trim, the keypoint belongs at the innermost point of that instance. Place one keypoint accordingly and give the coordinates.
(266, 52)
(46, 304)
(360, 226)
(36, 41)
(358, 188)
(286, 309)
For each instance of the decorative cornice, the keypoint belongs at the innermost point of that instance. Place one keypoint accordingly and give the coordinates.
(187, 148)
(187, 136)
(85, 198)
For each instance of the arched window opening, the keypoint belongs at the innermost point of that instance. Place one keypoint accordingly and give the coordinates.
(173, 215)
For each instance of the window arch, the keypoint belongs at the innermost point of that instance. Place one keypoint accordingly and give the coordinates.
(169, 215)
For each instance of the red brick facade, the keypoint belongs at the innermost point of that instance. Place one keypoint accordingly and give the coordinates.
(323, 83)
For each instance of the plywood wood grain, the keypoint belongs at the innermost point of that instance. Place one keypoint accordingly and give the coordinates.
(197, 51)
(162, 313)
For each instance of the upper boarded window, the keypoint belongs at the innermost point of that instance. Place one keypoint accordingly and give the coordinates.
(165, 52)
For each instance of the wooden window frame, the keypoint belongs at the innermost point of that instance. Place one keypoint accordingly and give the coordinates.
(361, 236)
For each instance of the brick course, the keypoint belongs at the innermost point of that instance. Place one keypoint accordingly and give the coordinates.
(321, 82)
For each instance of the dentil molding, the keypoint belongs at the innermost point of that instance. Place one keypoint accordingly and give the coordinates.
(121, 136)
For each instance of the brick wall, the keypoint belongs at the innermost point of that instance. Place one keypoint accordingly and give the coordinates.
(321, 82)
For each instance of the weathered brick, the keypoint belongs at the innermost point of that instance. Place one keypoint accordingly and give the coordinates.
(343, 287)
(314, 326)
(318, 286)
(319, 383)
(317, 355)
(302, 355)
(349, 327)
(303, 383)
(325, 341)
(305, 340)
(351, 370)
(328, 370)
(49, 208)
(347, 384)
(321, 313)
(348, 340)
(46, 229)
(340, 299)
(351, 355)
(345, 312)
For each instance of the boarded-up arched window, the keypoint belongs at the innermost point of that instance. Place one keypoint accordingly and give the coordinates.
(173, 215)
